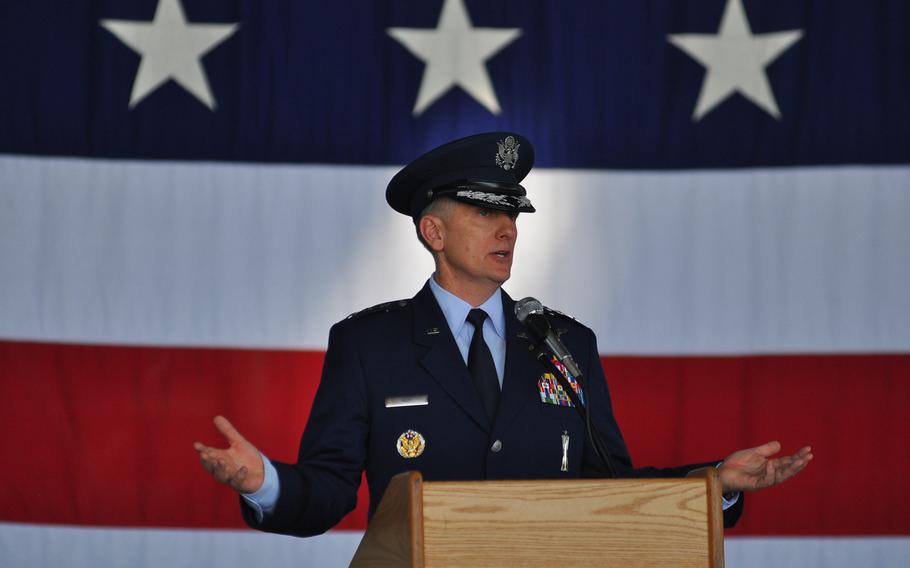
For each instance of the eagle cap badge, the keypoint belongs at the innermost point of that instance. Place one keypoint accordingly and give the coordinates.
(411, 444)
(507, 154)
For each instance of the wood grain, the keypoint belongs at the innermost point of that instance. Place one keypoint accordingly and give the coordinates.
(636, 523)
(628, 523)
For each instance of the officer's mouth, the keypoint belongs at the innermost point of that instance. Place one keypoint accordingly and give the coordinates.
(502, 253)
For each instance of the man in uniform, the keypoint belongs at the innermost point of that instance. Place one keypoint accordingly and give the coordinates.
(444, 383)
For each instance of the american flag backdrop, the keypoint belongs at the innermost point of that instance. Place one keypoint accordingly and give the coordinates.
(192, 192)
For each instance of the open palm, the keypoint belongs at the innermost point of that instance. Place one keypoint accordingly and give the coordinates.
(239, 465)
(755, 468)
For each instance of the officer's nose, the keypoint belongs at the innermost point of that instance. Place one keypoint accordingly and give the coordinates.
(507, 229)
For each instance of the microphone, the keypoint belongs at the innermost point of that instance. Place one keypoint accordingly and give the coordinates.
(529, 312)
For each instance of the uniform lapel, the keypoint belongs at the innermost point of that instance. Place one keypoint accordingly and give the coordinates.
(519, 387)
(442, 359)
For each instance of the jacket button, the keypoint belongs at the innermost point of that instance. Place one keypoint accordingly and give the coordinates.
(497, 445)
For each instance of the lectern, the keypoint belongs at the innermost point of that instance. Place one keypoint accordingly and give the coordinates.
(629, 523)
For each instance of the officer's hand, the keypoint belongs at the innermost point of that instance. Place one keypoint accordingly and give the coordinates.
(754, 468)
(239, 465)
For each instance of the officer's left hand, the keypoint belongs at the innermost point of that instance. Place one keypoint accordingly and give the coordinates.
(754, 468)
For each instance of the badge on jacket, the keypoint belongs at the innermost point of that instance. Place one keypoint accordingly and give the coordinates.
(411, 444)
(551, 392)
(404, 401)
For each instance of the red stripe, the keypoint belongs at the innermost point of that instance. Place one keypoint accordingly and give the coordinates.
(852, 410)
(103, 435)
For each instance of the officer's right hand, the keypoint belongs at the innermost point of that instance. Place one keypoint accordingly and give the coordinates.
(239, 465)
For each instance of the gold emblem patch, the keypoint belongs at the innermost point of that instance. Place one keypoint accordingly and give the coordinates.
(411, 444)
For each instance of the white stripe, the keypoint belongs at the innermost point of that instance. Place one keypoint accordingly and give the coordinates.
(808, 552)
(727, 262)
(809, 260)
(42, 546)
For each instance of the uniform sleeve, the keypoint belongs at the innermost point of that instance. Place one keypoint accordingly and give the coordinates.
(317, 491)
(600, 407)
(263, 500)
(602, 417)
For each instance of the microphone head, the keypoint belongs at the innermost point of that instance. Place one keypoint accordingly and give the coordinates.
(526, 307)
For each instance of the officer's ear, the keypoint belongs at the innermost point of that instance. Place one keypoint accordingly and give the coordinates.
(432, 231)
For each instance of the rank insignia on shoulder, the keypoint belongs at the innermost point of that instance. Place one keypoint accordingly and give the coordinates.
(551, 392)
(380, 308)
(550, 311)
(410, 444)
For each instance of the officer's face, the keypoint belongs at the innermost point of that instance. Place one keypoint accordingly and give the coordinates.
(476, 249)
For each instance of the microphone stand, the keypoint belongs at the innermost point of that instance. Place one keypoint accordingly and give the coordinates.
(600, 448)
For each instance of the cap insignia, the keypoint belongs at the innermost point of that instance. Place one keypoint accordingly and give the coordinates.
(507, 156)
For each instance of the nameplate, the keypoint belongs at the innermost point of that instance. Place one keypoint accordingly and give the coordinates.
(402, 401)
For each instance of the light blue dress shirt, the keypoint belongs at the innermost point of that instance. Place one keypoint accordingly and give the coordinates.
(455, 310)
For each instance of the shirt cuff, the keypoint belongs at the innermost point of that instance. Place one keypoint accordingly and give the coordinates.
(263, 500)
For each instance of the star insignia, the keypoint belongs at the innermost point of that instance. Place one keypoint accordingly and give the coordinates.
(455, 54)
(171, 48)
(735, 60)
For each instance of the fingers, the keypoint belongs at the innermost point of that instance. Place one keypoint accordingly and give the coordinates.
(221, 465)
(209, 457)
(786, 467)
(205, 452)
(798, 460)
(796, 463)
(207, 465)
(225, 471)
(769, 449)
(228, 431)
(217, 462)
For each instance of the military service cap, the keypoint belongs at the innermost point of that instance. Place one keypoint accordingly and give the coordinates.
(483, 170)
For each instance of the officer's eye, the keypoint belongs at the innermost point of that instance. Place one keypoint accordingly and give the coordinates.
(484, 212)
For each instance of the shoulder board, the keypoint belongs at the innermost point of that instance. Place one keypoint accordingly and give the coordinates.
(552, 312)
(381, 309)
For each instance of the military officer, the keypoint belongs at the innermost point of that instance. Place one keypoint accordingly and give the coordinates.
(443, 383)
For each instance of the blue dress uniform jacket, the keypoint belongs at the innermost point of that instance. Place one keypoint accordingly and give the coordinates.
(406, 349)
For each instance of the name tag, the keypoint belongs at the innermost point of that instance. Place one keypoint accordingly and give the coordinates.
(401, 401)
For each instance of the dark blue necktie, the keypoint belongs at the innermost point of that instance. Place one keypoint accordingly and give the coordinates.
(481, 367)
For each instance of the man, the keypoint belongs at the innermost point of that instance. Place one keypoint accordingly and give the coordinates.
(412, 385)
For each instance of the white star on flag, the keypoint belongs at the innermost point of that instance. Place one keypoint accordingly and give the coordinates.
(455, 54)
(170, 48)
(735, 60)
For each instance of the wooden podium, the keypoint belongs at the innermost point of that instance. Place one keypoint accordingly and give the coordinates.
(637, 523)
